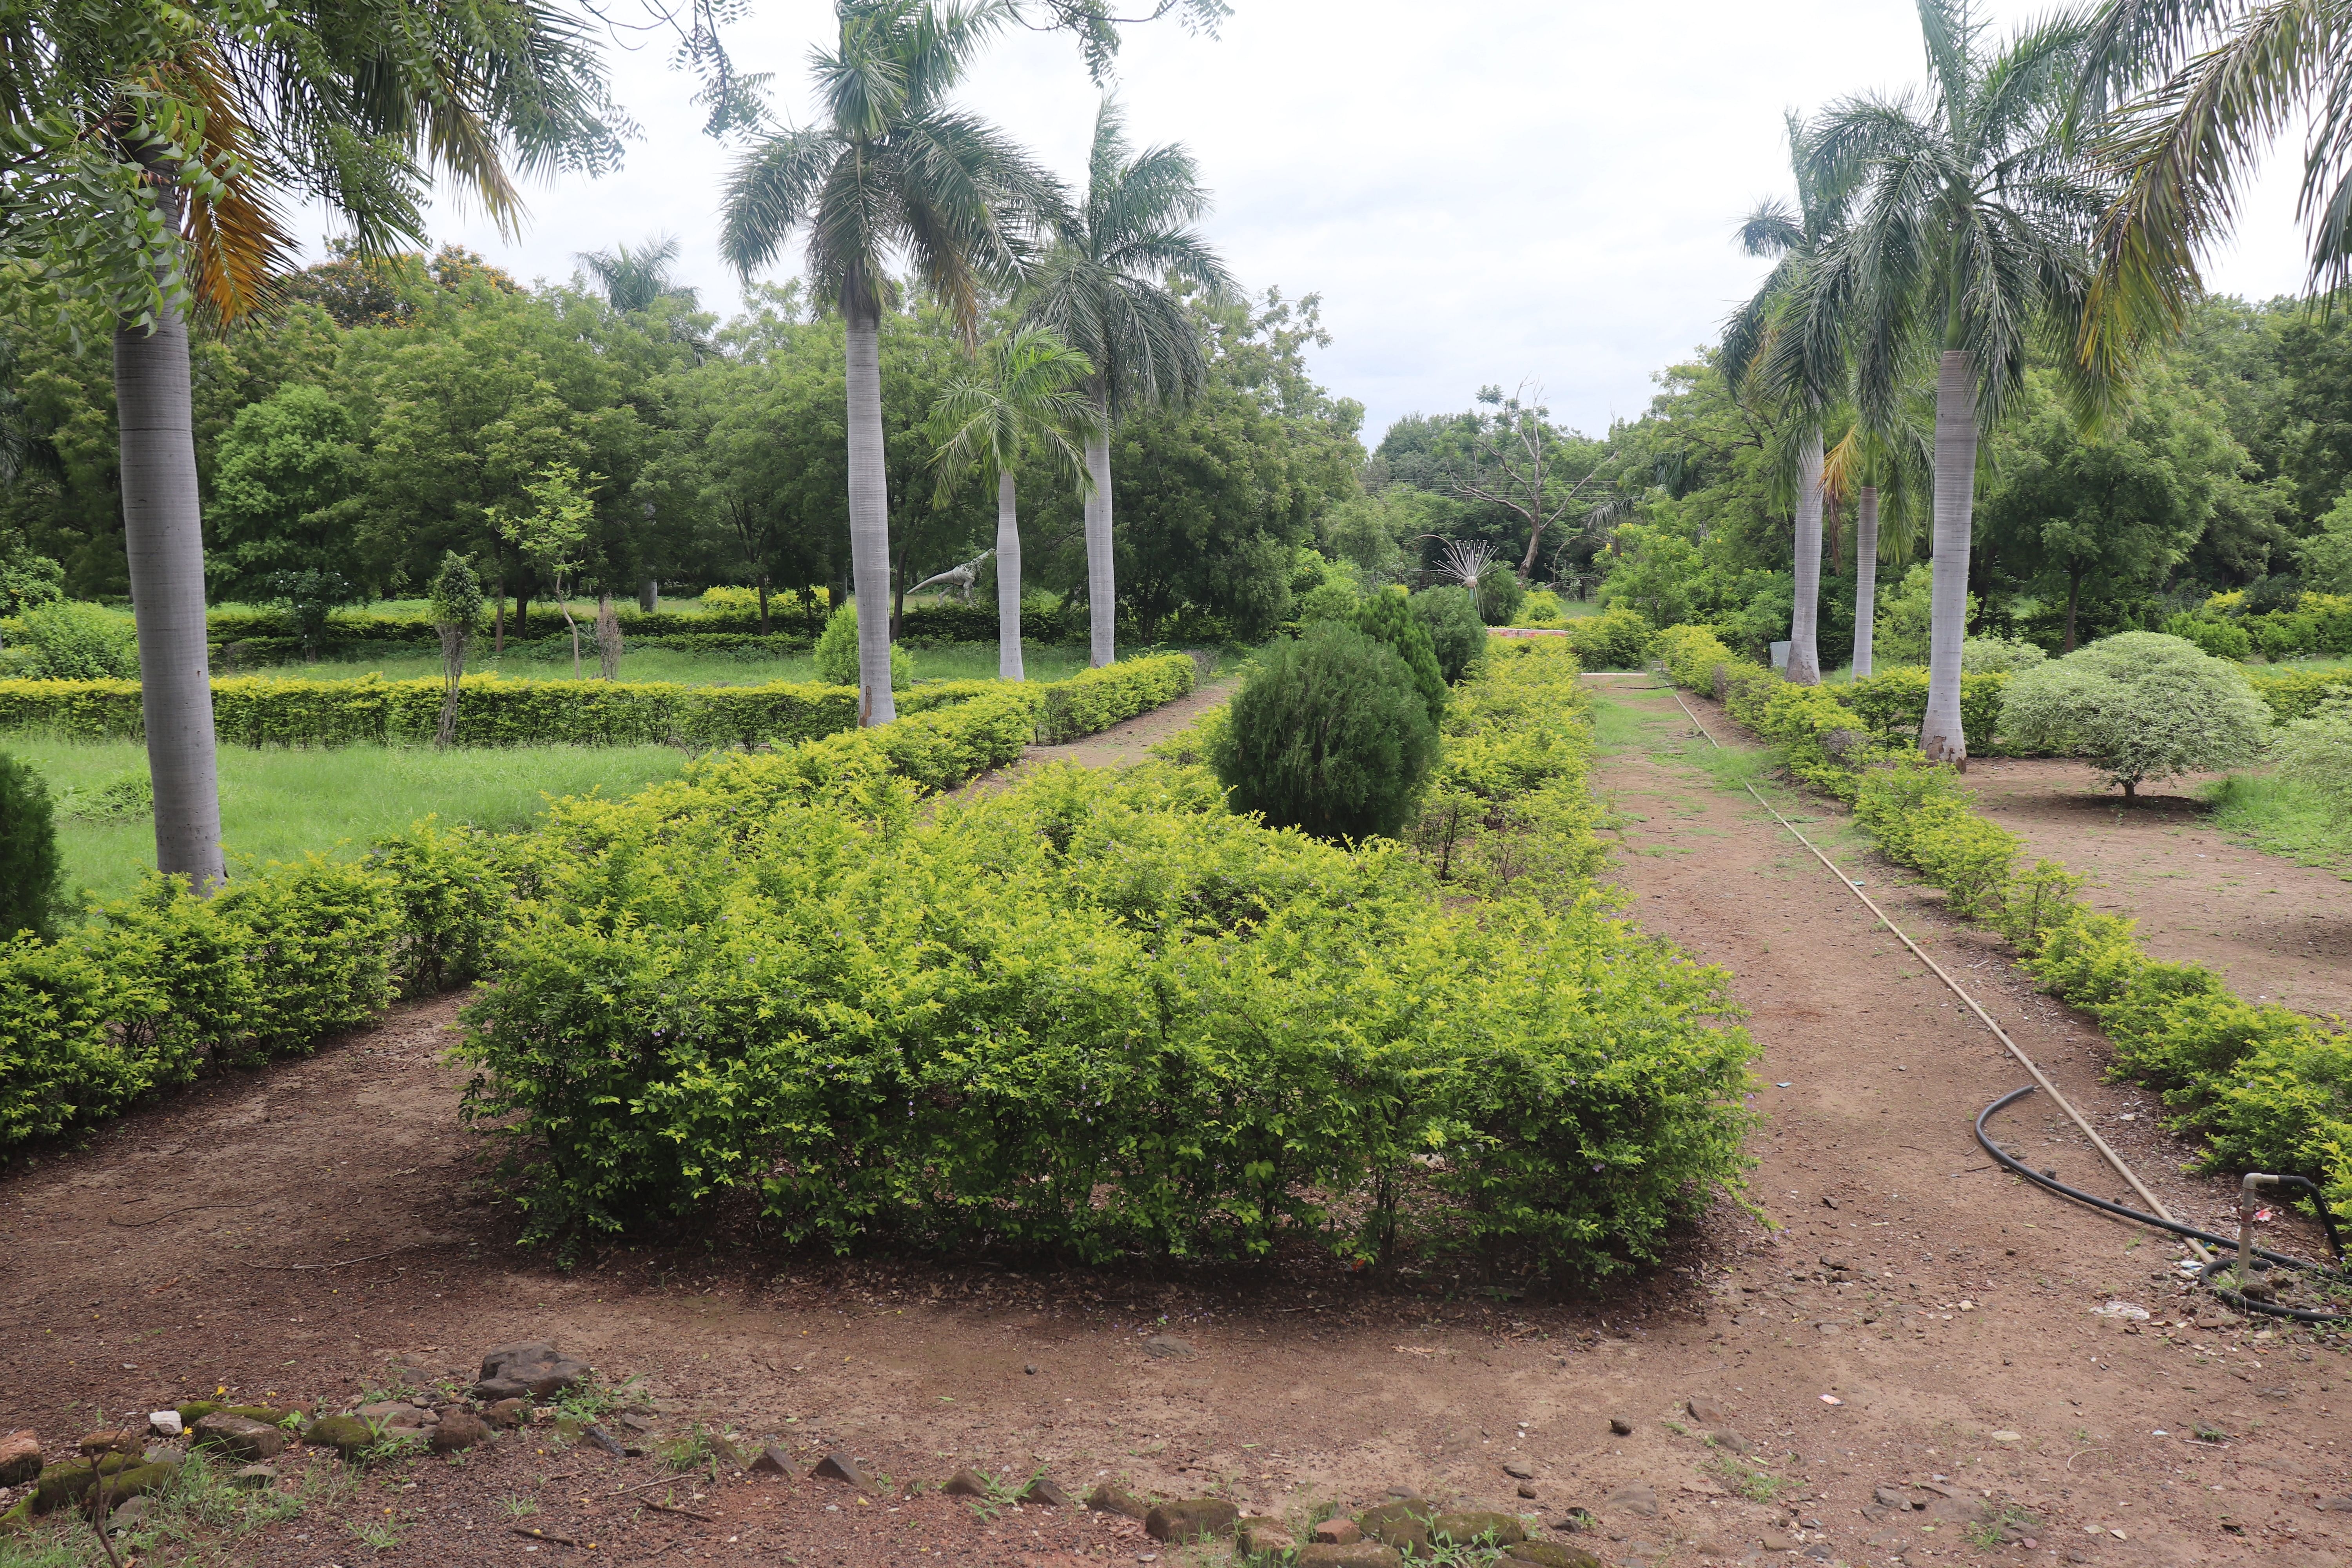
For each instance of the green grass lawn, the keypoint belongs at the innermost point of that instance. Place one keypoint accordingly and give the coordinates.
(2282, 816)
(278, 805)
(948, 662)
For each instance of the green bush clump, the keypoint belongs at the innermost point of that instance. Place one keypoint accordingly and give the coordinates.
(2221, 638)
(1893, 703)
(1618, 639)
(1455, 632)
(1387, 617)
(1330, 735)
(1542, 607)
(1692, 655)
(66, 639)
(31, 872)
(1089, 1013)
(2317, 752)
(1500, 593)
(836, 653)
(1999, 656)
(2141, 705)
(1095, 700)
(2292, 694)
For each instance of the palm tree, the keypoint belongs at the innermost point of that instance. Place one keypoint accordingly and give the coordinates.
(637, 279)
(1030, 391)
(1804, 370)
(1967, 222)
(1104, 289)
(889, 167)
(2228, 78)
(151, 148)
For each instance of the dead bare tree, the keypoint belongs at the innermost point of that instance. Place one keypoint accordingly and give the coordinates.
(1515, 461)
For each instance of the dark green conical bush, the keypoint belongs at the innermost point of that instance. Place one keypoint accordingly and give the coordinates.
(29, 866)
(1387, 617)
(1330, 735)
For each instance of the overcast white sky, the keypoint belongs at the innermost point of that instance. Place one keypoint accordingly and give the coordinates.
(1515, 189)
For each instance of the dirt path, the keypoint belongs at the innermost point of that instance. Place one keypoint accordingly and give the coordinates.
(1132, 740)
(1959, 1340)
(2281, 931)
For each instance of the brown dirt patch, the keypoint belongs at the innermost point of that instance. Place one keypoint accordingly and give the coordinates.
(117, 1292)
(2280, 932)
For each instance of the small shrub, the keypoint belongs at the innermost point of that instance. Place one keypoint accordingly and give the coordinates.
(2141, 705)
(30, 869)
(1455, 632)
(1330, 735)
(2222, 639)
(2317, 752)
(1500, 594)
(1542, 608)
(1387, 617)
(67, 641)
(1999, 656)
(1619, 639)
(1329, 600)
(836, 653)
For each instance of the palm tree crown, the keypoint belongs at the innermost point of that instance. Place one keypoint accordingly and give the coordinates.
(637, 279)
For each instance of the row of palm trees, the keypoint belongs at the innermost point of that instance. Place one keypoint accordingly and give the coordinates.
(890, 167)
(2052, 193)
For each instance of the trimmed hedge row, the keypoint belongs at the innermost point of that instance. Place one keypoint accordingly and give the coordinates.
(2269, 1087)
(158, 985)
(1091, 1013)
(496, 710)
(944, 622)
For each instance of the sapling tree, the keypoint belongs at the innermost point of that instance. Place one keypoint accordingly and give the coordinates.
(2140, 705)
(455, 598)
(553, 534)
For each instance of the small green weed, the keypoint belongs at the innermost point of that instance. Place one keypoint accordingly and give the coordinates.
(691, 1452)
(516, 1506)
(1751, 1481)
(1999, 1526)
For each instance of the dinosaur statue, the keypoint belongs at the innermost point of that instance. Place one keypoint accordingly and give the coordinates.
(957, 580)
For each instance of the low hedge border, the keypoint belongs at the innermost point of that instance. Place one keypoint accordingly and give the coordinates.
(935, 622)
(2268, 1086)
(158, 985)
(497, 710)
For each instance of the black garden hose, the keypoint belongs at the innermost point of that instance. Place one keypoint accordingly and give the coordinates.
(2228, 1243)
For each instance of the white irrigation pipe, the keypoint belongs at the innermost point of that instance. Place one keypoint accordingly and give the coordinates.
(2040, 1078)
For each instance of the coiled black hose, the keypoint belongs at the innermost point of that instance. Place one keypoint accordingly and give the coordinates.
(2229, 1244)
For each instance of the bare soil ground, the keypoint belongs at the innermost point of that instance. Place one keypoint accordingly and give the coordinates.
(2281, 931)
(181, 1250)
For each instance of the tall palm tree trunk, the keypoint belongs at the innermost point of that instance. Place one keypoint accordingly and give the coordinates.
(869, 516)
(1940, 736)
(1102, 593)
(1865, 576)
(1008, 583)
(1804, 626)
(162, 532)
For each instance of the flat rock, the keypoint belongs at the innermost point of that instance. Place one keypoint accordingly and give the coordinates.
(1190, 1519)
(1108, 1499)
(1704, 1408)
(459, 1428)
(20, 1457)
(391, 1415)
(1479, 1525)
(1641, 1500)
(346, 1434)
(1168, 1347)
(165, 1422)
(250, 1440)
(1887, 1497)
(1355, 1554)
(1550, 1554)
(1042, 1492)
(508, 1414)
(129, 1515)
(842, 1467)
(1262, 1537)
(1620, 1425)
(1528, 1490)
(1403, 1523)
(1338, 1532)
(1518, 1470)
(967, 1483)
(1727, 1438)
(112, 1442)
(253, 1477)
(771, 1461)
(535, 1368)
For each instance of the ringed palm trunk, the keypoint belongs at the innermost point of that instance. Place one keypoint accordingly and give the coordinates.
(1008, 583)
(1102, 593)
(1940, 736)
(1865, 576)
(1804, 626)
(163, 535)
(869, 518)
